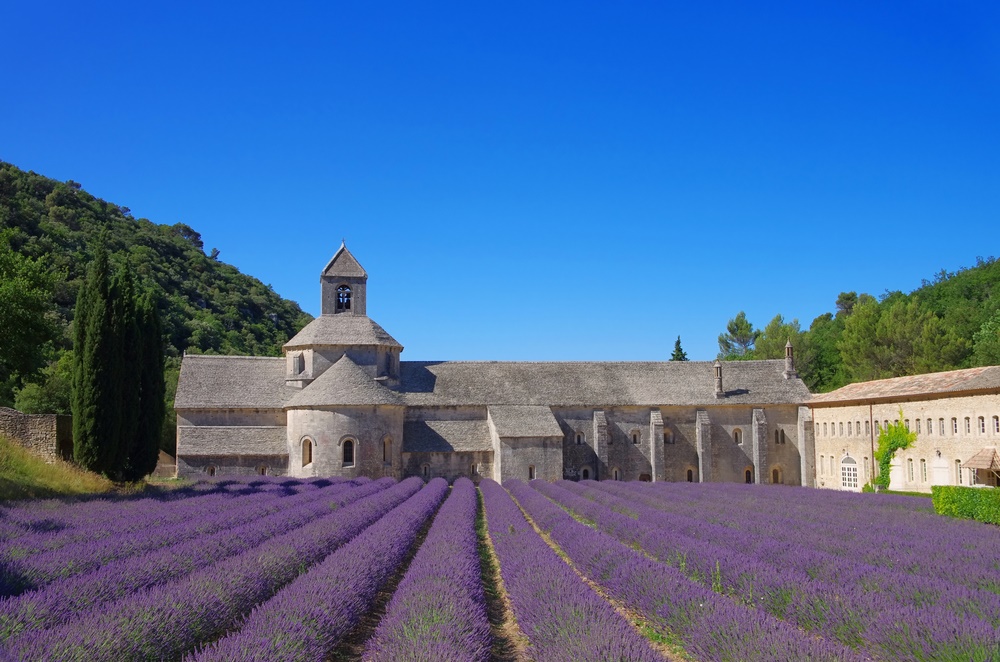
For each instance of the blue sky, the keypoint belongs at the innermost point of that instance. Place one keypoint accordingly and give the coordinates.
(534, 181)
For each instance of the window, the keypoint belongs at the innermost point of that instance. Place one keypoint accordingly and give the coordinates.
(210, 470)
(579, 438)
(783, 438)
(668, 437)
(867, 477)
(307, 451)
(906, 424)
(343, 298)
(426, 469)
(878, 428)
(996, 424)
(586, 474)
(387, 451)
(941, 427)
(868, 428)
(776, 476)
(615, 474)
(968, 425)
(923, 470)
(909, 469)
(738, 436)
(954, 426)
(918, 426)
(850, 428)
(262, 470)
(958, 472)
(690, 475)
(824, 430)
(982, 425)
(822, 464)
(635, 436)
(472, 470)
(849, 473)
(857, 428)
(885, 425)
(531, 472)
(777, 439)
(817, 429)
(930, 426)
(832, 472)
(348, 452)
(749, 476)
(841, 429)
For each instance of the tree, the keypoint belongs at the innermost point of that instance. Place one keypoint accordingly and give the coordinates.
(128, 368)
(986, 343)
(771, 342)
(823, 368)
(679, 354)
(738, 340)
(893, 438)
(152, 389)
(51, 395)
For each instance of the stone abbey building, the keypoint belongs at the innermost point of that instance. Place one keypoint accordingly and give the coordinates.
(342, 403)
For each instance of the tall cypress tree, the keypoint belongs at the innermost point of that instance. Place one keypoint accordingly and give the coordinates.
(127, 368)
(96, 422)
(152, 407)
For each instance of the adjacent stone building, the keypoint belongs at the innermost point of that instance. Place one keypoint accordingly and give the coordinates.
(342, 403)
(50, 436)
(955, 415)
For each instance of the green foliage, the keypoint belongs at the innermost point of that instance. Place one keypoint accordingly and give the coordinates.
(822, 368)
(23, 475)
(679, 354)
(738, 340)
(771, 342)
(986, 342)
(52, 392)
(981, 504)
(151, 389)
(893, 438)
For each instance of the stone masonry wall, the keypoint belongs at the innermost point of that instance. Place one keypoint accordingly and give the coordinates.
(49, 436)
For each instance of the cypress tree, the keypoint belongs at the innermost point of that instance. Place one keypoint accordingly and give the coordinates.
(125, 365)
(152, 407)
(96, 420)
(679, 354)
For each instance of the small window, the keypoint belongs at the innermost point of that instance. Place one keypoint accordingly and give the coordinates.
(210, 470)
(777, 439)
(930, 426)
(923, 470)
(918, 426)
(426, 470)
(824, 430)
(783, 438)
(885, 425)
(867, 476)
(387, 451)
(585, 474)
(968, 425)
(982, 425)
(817, 429)
(831, 467)
(472, 469)
(954, 426)
(531, 472)
(841, 429)
(849, 428)
(307, 451)
(996, 424)
(262, 470)
(668, 437)
(690, 475)
(868, 428)
(738, 436)
(616, 475)
(343, 298)
(636, 435)
(857, 428)
(748, 474)
(958, 472)
(822, 464)
(579, 438)
(878, 428)
(348, 451)
(776, 476)
(909, 469)
(941, 427)
(906, 424)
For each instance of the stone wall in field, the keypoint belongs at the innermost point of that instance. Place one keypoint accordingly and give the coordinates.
(50, 436)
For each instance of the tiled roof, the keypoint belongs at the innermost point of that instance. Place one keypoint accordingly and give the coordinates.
(446, 436)
(987, 458)
(225, 440)
(524, 421)
(596, 384)
(344, 383)
(341, 330)
(344, 264)
(232, 382)
(935, 383)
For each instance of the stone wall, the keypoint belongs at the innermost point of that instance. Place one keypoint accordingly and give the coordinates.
(367, 427)
(471, 464)
(49, 436)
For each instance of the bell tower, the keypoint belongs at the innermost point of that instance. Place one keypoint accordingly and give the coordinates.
(344, 282)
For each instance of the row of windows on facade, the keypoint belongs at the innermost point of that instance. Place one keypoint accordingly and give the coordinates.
(838, 429)
(668, 437)
(347, 451)
(849, 471)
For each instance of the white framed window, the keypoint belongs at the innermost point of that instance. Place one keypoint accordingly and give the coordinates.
(906, 424)
(636, 436)
(531, 472)
(307, 451)
(996, 424)
(968, 425)
(738, 436)
(262, 469)
(867, 470)
(918, 426)
(347, 450)
(909, 469)
(822, 465)
(923, 470)
(958, 472)
(941, 427)
(857, 428)
(982, 425)
(849, 473)
(868, 428)
(824, 430)
(930, 426)
(580, 438)
(954, 426)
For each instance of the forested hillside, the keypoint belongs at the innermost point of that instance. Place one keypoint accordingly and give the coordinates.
(48, 231)
(948, 323)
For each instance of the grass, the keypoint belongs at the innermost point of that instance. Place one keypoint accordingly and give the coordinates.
(23, 475)
(924, 495)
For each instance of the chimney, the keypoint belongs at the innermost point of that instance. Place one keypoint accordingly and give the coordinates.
(719, 393)
(789, 361)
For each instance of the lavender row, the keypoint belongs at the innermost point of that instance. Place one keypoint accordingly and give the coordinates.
(438, 611)
(846, 610)
(62, 600)
(562, 617)
(167, 620)
(310, 616)
(710, 626)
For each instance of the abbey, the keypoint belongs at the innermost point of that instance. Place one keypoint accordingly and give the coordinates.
(342, 403)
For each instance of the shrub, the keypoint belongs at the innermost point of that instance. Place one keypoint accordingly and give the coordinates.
(981, 504)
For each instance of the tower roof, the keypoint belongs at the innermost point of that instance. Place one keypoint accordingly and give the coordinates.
(344, 384)
(333, 330)
(344, 264)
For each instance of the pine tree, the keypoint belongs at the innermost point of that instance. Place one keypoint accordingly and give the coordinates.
(152, 407)
(679, 354)
(96, 422)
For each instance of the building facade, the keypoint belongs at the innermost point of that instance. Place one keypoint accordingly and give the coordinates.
(955, 415)
(341, 402)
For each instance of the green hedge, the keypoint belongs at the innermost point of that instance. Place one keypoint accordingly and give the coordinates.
(978, 503)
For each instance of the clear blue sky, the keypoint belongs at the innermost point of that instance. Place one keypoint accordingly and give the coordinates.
(579, 180)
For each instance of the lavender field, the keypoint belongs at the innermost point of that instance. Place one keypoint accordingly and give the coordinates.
(284, 569)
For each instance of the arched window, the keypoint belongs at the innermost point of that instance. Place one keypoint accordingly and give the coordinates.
(782, 435)
(841, 429)
(850, 428)
(690, 475)
(849, 473)
(668, 437)
(982, 425)
(868, 428)
(968, 426)
(776, 476)
(996, 424)
(906, 424)
(343, 298)
(580, 438)
(776, 438)
(909, 469)
(210, 470)
(824, 430)
(857, 428)
(636, 435)
(262, 470)
(867, 477)
(958, 472)
(941, 427)
(918, 426)
(748, 474)
(387, 451)
(954, 426)
(307, 451)
(615, 474)
(930, 426)
(531, 472)
(738, 436)
(348, 452)
(923, 470)
(585, 474)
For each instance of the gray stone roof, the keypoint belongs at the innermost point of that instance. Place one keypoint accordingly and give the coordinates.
(228, 440)
(524, 421)
(343, 263)
(341, 330)
(446, 436)
(425, 383)
(930, 385)
(346, 384)
(232, 382)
